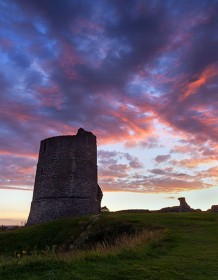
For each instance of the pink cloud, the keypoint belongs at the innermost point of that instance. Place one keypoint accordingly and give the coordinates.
(50, 96)
(208, 74)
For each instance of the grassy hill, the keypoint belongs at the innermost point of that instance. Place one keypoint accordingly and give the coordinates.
(114, 246)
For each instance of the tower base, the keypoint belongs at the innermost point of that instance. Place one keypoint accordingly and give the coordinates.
(48, 209)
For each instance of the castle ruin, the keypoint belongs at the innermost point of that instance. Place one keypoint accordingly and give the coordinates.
(183, 207)
(66, 178)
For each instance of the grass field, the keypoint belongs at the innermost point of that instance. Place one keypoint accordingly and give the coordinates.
(114, 246)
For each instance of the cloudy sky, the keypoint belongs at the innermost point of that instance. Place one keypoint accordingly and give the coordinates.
(141, 75)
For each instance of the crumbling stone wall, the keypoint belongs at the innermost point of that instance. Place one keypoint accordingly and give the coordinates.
(183, 207)
(66, 178)
(214, 208)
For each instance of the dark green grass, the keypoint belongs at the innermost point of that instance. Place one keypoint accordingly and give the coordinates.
(187, 250)
(39, 237)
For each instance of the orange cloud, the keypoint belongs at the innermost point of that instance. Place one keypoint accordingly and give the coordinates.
(210, 72)
(152, 185)
(130, 125)
(181, 149)
(210, 173)
(194, 162)
(15, 154)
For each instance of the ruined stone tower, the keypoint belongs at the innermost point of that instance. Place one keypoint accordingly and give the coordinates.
(66, 178)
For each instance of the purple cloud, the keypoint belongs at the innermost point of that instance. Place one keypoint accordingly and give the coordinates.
(162, 158)
(122, 69)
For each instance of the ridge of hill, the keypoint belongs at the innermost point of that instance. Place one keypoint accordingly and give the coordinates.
(114, 246)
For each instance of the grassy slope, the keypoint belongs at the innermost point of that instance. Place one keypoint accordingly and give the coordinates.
(188, 249)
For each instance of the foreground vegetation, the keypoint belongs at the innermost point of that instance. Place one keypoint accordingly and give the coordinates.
(114, 246)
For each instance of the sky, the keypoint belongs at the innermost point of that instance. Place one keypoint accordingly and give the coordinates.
(141, 75)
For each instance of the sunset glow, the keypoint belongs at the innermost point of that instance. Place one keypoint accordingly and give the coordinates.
(141, 75)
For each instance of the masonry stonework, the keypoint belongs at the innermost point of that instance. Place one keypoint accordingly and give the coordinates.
(66, 181)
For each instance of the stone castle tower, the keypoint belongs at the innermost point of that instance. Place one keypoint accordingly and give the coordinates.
(66, 178)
